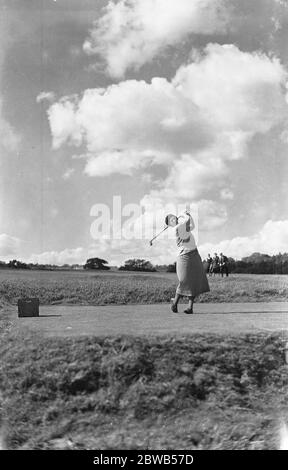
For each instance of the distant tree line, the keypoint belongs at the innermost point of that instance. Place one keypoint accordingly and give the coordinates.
(137, 265)
(257, 263)
(16, 264)
(167, 268)
(96, 263)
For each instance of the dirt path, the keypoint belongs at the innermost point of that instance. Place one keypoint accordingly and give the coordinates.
(233, 318)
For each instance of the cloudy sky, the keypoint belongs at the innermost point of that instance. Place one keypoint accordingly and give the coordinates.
(156, 101)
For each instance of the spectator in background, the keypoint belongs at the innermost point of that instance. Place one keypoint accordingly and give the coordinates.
(215, 264)
(209, 264)
(223, 265)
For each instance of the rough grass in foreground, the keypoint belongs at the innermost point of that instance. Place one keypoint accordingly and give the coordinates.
(196, 392)
(90, 288)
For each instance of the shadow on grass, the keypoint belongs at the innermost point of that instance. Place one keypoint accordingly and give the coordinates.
(48, 316)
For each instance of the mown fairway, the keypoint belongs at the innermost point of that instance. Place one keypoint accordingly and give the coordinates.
(156, 319)
(100, 288)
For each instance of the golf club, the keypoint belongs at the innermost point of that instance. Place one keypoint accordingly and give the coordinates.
(151, 241)
(168, 220)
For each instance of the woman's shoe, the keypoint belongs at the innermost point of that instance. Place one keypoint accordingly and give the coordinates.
(174, 307)
(188, 311)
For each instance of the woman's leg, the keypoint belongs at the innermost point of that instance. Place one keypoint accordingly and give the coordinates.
(177, 298)
(190, 305)
(175, 303)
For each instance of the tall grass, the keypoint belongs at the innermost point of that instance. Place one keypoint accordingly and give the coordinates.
(196, 392)
(89, 288)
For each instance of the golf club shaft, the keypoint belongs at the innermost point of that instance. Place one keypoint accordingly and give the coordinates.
(158, 234)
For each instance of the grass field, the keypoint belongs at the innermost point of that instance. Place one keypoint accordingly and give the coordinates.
(92, 288)
(191, 392)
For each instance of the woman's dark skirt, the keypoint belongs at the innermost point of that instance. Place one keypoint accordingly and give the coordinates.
(191, 274)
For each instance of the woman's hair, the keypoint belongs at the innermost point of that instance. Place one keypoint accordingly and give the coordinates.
(167, 219)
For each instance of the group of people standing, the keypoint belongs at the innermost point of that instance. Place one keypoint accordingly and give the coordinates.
(217, 265)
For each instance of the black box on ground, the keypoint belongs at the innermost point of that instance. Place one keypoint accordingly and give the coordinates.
(28, 308)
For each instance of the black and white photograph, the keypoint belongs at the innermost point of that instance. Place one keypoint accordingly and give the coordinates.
(143, 227)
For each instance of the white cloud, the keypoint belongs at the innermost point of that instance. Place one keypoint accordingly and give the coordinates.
(162, 252)
(194, 124)
(123, 162)
(9, 246)
(63, 122)
(46, 96)
(129, 116)
(132, 32)
(271, 239)
(66, 256)
(114, 251)
(207, 214)
(150, 217)
(192, 178)
(240, 91)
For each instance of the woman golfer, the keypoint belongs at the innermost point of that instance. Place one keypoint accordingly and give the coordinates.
(192, 278)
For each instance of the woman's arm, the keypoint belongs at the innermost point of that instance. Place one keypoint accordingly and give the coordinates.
(183, 228)
(192, 224)
(186, 218)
